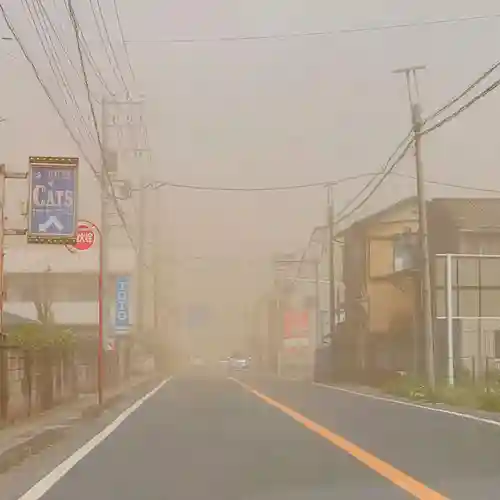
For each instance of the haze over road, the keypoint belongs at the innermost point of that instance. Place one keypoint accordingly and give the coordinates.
(263, 439)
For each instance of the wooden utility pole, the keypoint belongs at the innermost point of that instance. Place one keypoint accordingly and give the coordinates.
(331, 262)
(425, 265)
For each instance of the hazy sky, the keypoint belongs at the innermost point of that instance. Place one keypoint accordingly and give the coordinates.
(274, 111)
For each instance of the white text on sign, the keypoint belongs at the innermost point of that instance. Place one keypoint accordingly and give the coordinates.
(43, 197)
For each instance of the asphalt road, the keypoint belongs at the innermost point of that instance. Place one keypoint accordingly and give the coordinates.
(204, 439)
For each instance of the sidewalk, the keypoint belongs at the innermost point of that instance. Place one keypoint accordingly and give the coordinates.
(32, 435)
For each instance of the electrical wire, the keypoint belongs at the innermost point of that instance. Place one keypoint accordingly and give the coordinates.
(463, 108)
(380, 181)
(94, 119)
(428, 130)
(325, 33)
(44, 86)
(93, 64)
(386, 166)
(112, 48)
(122, 37)
(52, 27)
(323, 184)
(45, 39)
(105, 38)
(462, 94)
(289, 187)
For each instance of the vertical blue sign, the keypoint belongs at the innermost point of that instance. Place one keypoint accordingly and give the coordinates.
(122, 318)
(197, 317)
(53, 200)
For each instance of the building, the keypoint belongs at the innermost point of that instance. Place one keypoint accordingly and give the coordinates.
(382, 286)
(42, 277)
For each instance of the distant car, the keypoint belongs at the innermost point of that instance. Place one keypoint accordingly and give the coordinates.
(239, 363)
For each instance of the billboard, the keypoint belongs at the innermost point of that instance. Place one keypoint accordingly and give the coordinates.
(52, 215)
(122, 314)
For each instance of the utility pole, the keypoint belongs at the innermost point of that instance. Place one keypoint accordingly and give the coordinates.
(104, 233)
(331, 262)
(425, 264)
(141, 260)
(157, 268)
(4, 388)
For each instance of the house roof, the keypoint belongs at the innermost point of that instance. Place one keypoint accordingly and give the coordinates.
(472, 213)
(467, 213)
(381, 213)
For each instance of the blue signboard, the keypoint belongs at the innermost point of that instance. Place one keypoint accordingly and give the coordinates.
(122, 316)
(197, 317)
(53, 200)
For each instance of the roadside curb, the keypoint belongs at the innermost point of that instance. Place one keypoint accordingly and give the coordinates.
(460, 411)
(45, 438)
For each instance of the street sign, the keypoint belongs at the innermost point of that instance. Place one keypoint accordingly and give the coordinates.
(53, 200)
(122, 316)
(85, 236)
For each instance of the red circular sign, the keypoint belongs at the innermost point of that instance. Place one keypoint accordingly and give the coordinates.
(84, 236)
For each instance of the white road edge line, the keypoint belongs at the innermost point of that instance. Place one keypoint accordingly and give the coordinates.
(466, 416)
(48, 481)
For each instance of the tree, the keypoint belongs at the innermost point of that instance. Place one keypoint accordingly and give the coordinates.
(43, 299)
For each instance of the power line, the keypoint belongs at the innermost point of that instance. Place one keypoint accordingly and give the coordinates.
(104, 171)
(289, 187)
(467, 187)
(380, 181)
(105, 38)
(62, 45)
(44, 86)
(122, 37)
(462, 94)
(111, 46)
(463, 108)
(331, 182)
(442, 122)
(325, 33)
(386, 166)
(92, 63)
(46, 42)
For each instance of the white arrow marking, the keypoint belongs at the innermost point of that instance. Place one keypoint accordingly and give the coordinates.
(51, 221)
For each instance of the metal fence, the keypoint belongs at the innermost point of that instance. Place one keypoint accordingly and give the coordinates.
(467, 298)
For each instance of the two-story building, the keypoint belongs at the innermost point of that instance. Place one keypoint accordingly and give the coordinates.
(381, 273)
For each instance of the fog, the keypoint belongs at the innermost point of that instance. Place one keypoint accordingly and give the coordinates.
(227, 111)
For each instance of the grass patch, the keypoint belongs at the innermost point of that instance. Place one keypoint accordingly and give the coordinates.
(466, 395)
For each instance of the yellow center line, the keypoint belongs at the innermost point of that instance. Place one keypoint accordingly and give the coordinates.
(395, 476)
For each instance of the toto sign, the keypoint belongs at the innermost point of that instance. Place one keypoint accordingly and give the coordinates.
(84, 236)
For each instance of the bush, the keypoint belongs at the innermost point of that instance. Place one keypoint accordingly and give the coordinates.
(34, 336)
(408, 387)
(466, 396)
(489, 401)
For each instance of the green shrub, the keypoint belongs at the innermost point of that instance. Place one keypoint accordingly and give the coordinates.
(35, 336)
(489, 401)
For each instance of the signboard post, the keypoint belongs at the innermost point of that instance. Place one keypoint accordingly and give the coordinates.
(84, 240)
(122, 317)
(53, 200)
